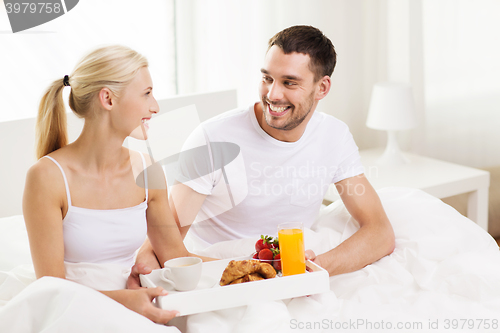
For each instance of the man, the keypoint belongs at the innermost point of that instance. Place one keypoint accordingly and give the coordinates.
(289, 156)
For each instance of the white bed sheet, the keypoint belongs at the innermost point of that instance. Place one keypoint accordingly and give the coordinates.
(58, 305)
(444, 267)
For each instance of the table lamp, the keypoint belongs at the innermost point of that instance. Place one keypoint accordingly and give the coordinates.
(392, 109)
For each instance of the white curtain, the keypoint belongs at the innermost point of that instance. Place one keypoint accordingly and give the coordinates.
(462, 85)
(31, 60)
(446, 49)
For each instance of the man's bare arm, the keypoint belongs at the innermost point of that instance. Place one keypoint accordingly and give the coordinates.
(375, 237)
(185, 203)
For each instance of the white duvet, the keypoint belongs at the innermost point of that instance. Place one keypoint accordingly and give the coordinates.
(444, 275)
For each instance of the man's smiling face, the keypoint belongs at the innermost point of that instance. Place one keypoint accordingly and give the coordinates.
(287, 89)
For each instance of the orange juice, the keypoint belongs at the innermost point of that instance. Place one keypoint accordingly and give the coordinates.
(292, 251)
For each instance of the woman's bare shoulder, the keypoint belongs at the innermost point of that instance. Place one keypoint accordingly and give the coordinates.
(46, 166)
(44, 170)
(44, 186)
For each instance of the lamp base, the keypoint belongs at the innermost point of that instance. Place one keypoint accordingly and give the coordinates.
(392, 154)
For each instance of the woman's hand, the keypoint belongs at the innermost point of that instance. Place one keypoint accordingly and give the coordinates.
(140, 301)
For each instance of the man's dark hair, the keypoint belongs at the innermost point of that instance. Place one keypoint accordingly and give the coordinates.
(311, 41)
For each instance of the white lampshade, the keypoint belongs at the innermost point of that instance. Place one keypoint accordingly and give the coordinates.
(392, 107)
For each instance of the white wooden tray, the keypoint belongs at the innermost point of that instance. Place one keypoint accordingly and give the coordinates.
(210, 296)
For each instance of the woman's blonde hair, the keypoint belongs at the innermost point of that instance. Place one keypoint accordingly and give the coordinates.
(112, 67)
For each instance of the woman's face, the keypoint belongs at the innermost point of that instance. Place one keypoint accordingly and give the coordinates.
(137, 104)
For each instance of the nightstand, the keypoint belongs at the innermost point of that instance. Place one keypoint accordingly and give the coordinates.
(438, 178)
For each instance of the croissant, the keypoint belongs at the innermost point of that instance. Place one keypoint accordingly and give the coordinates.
(239, 269)
(248, 278)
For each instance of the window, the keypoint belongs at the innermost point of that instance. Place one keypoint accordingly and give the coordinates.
(32, 59)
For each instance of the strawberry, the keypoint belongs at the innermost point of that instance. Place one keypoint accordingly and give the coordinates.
(277, 262)
(256, 255)
(259, 245)
(263, 243)
(275, 244)
(265, 254)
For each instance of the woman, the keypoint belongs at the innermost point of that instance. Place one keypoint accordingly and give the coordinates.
(81, 203)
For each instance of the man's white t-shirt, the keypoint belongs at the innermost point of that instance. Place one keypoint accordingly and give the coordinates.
(253, 182)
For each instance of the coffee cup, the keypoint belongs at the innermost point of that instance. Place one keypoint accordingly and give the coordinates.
(182, 273)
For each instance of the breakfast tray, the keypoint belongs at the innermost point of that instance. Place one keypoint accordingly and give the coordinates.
(210, 296)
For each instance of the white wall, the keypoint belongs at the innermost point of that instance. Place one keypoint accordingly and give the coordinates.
(17, 147)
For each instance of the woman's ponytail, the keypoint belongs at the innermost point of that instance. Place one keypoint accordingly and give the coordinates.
(113, 67)
(51, 127)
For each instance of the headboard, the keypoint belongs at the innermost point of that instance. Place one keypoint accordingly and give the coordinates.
(17, 141)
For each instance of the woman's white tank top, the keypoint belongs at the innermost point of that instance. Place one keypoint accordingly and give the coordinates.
(110, 236)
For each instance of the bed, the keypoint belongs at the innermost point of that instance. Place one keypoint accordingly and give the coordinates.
(443, 274)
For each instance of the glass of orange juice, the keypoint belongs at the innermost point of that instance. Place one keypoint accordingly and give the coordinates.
(291, 239)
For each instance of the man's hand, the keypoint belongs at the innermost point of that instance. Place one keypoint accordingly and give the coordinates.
(146, 261)
(310, 255)
(133, 281)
